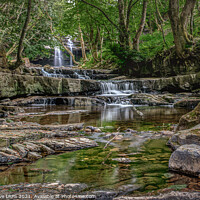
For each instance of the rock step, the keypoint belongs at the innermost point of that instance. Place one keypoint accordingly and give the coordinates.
(71, 101)
(34, 150)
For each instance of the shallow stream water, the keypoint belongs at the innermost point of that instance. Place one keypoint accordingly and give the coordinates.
(146, 170)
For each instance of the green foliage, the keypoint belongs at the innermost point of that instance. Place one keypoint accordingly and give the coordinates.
(122, 57)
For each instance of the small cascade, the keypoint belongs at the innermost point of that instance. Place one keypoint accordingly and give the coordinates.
(61, 73)
(117, 88)
(58, 59)
(70, 45)
(55, 74)
(81, 75)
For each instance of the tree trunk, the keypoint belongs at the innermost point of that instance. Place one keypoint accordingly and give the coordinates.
(82, 45)
(101, 39)
(191, 23)
(160, 22)
(179, 24)
(94, 43)
(23, 33)
(136, 40)
(186, 13)
(124, 33)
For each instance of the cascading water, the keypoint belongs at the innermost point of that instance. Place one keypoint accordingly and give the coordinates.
(58, 59)
(117, 92)
(117, 88)
(56, 74)
(61, 73)
(70, 45)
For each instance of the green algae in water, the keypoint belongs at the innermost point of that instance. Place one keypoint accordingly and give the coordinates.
(150, 169)
(95, 167)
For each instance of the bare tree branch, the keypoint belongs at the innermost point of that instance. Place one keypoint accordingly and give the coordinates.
(102, 13)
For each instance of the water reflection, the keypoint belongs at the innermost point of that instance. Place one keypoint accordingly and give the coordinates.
(110, 115)
(116, 113)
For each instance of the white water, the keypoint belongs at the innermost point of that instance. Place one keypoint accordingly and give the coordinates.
(117, 93)
(117, 89)
(81, 76)
(58, 59)
(70, 44)
(55, 74)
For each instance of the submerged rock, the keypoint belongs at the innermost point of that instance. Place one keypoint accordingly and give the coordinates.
(186, 159)
(122, 160)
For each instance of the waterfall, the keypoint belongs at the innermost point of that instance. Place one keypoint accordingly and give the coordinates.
(117, 88)
(70, 44)
(58, 60)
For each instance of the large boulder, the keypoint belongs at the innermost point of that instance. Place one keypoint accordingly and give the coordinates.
(186, 159)
(190, 119)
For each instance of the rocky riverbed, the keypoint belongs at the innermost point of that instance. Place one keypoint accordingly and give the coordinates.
(108, 145)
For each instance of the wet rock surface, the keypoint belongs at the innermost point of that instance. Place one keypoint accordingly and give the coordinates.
(39, 100)
(34, 150)
(149, 99)
(186, 159)
(187, 103)
(189, 136)
(12, 85)
(190, 119)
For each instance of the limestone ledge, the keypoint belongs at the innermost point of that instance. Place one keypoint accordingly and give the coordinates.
(12, 85)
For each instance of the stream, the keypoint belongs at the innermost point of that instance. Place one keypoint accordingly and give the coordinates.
(135, 162)
(145, 169)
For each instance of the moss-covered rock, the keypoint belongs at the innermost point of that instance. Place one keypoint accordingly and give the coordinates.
(190, 119)
(12, 85)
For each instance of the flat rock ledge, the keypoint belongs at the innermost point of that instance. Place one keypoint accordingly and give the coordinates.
(168, 196)
(186, 159)
(34, 150)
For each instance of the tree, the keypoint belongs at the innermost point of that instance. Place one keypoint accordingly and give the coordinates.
(179, 23)
(23, 33)
(136, 40)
